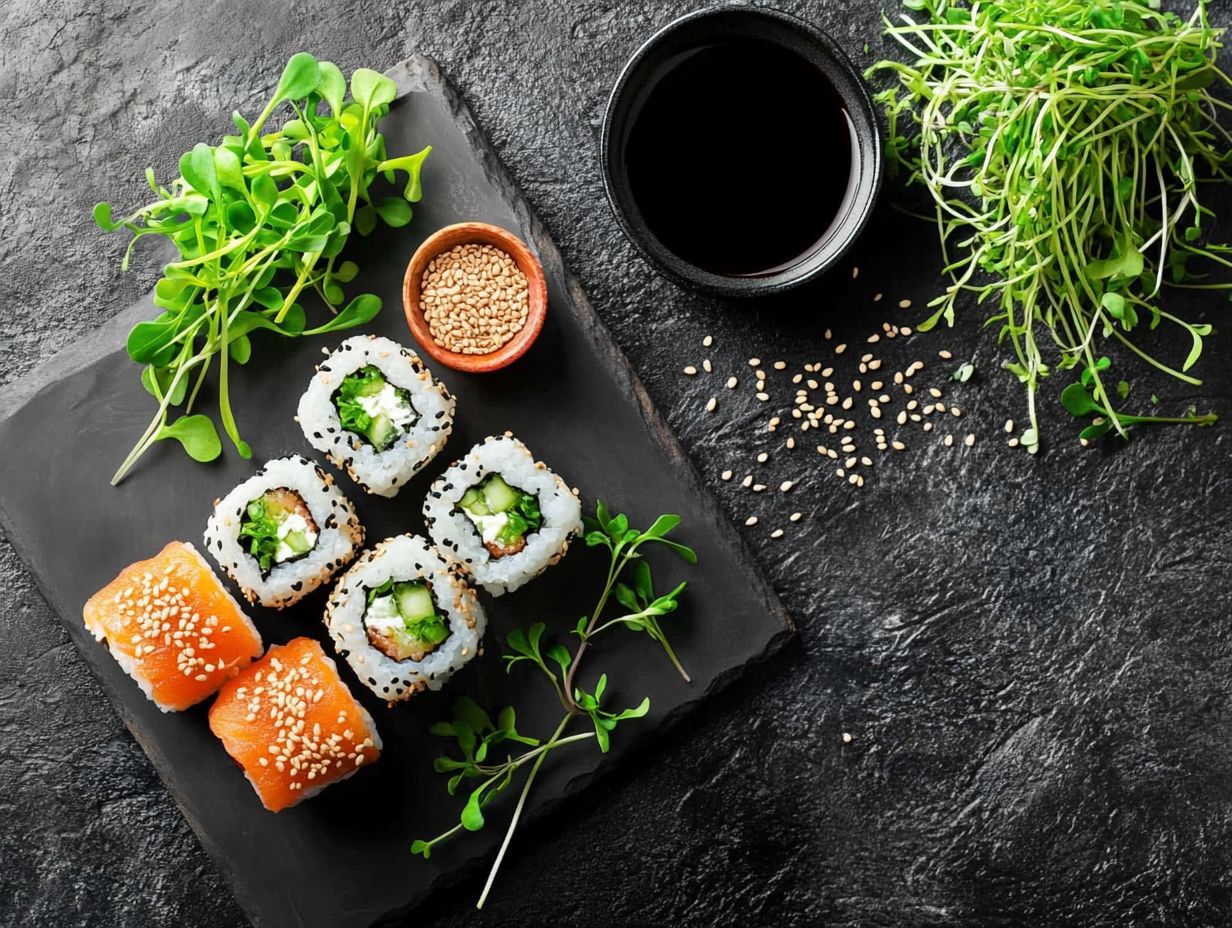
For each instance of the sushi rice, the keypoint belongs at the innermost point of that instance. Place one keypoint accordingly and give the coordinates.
(404, 558)
(417, 442)
(339, 533)
(456, 536)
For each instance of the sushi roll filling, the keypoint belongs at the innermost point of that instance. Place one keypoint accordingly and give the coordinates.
(279, 528)
(371, 407)
(503, 515)
(402, 620)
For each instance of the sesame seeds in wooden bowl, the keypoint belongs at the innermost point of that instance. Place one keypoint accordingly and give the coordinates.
(474, 296)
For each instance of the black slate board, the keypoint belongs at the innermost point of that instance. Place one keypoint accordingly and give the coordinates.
(343, 859)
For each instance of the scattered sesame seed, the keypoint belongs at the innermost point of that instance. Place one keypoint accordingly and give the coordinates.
(706, 366)
(758, 487)
(754, 362)
(839, 349)
(791, 442)
(711, 404)
(707, 341)
(873, 339)
(762, 458)
(853, 479)
(780, 365)
(777, 533)
(795, 516)
(797, 378)
(904, 304)
(949, 440)
(877, 297)
(866, 461)
(747, 481)
(904, 330)
(969, 440)
(898, 446)
(846, 738)
(691, 370)
(855, 272)
(751, 521)
(732, 382)
(1013, 442)
(726, 475)
(934, 391)
(1009, 425)
(785, 486)
(944, 355)
(763, 397)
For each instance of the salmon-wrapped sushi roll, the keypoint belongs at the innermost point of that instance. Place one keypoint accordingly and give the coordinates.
(293, 725)
(173, 627)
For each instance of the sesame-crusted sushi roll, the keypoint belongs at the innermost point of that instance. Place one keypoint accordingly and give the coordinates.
(404, 618)
(283, 532)
(501, 514)
(292, 725)
(376, 412)
(173, 627)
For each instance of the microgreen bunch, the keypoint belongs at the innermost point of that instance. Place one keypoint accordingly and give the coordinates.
(258, 220)
(484, 761)
(1064, 143)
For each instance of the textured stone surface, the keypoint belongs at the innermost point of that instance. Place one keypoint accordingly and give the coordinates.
(1031, 656)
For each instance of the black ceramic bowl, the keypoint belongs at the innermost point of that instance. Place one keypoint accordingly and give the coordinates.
(717, 25)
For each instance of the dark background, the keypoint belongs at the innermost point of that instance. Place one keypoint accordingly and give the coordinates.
(1031, 656)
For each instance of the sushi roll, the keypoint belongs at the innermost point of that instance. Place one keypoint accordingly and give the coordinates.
(374, 410)
(501, 514)
(283, 532)
(173, 627)
(292, 725)
(404, 618)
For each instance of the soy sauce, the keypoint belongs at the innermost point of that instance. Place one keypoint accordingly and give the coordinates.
(740, 157)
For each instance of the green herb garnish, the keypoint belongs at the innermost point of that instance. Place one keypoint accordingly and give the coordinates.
(1063, 143)
(260, 526)
(522, 519)
(258, 220)
(479, 738)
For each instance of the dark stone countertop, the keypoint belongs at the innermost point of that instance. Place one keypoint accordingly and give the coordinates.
(1031, 656)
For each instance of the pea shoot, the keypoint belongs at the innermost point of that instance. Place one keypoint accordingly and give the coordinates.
(260, 220)
(479, 738)
(1064, 144)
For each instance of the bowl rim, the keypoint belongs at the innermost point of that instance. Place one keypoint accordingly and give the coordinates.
(868, 148)
(480, 233)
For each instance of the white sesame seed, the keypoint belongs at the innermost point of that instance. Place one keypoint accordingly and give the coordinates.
(877, 297)
(706, 366)
(762, 458)
(898, 446)
(846, 738)
(853, 479)
(944, 354)
(791, 442)
(711, 404)
(904, 330)
(785, 486)
(751, 521)
(866, 461)
(777, 533)
(795, 517)
(758, 487)
(855, 272)
(970, 439)
(726, 475)
(691, 370)
(904, 304)
(797, 378)
(949, 440)
(754, 362)
(732, 382)
(707, 341)
(1013, 442)
(747, 481)
(1009, 425)
(780, 365)
(763, 397)
(839, 349)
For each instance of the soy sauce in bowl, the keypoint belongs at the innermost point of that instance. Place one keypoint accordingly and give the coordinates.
(740, 157)
(741, 151)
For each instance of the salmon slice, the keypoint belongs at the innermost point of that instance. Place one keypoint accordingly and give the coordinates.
(173, 627)
(293, 725)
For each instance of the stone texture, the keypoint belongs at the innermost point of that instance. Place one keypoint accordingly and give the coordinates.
(1031, 656)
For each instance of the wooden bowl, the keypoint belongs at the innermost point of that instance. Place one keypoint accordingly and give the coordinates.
(475, 233)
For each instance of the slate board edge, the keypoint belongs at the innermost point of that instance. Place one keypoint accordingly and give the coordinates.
(415, 74)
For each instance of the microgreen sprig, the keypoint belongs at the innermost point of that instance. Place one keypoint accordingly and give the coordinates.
(478, 738)
(1064, 143)
(258, 220)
